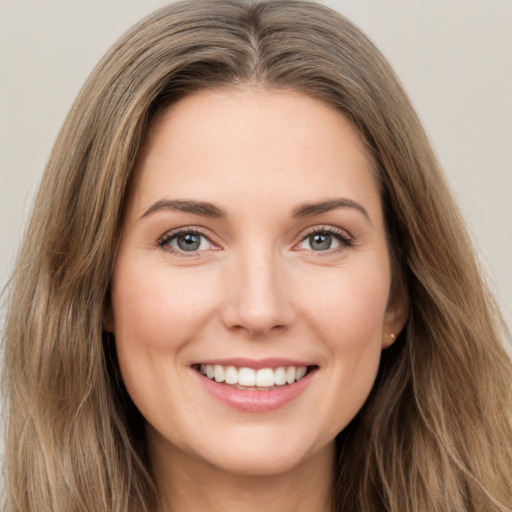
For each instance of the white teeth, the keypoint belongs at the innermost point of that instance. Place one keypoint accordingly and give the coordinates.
(231, 375)
(280, 376)
(249, 377)
(265, 377)
(219, 373)
(246, 377)
(300, 372)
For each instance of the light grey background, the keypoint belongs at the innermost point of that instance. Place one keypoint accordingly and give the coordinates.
(453, 56)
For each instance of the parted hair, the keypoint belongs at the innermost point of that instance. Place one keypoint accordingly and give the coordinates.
(435, 433)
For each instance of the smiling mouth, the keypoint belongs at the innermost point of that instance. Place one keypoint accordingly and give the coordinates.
(262, 379)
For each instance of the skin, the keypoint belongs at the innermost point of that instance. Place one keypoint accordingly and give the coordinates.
(255, 288)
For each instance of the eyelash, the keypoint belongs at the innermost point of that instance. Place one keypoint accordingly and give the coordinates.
(172, 235)
(346, 241)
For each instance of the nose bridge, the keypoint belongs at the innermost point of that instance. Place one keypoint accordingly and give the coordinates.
(258, 299)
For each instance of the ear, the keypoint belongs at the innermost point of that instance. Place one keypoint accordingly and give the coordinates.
(396, 314)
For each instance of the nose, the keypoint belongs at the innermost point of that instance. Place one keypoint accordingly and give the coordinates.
(257, 299)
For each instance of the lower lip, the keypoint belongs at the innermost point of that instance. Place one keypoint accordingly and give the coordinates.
(253, 400)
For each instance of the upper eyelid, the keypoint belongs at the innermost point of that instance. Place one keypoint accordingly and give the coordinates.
(327, 229)
(345, 239)
(164, 242)
(185, 229)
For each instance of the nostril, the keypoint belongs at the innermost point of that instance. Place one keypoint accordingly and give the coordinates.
(256, 303)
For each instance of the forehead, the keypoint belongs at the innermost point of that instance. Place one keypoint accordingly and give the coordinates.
(232, 142)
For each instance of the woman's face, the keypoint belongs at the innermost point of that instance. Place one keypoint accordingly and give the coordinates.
(253, 250)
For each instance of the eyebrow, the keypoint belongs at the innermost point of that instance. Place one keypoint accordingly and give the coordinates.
(312, 209)
(202, 208)
(207, 209)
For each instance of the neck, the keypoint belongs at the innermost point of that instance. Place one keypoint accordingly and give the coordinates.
(187, 484)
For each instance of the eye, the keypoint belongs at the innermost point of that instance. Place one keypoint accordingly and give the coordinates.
(325, 239)
(188, 240)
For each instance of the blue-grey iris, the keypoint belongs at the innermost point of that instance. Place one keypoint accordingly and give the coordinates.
(189, 242)
(320, 242)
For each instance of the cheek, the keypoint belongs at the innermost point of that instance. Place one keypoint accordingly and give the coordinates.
(159, 310)
(349, 306)
(348, 317)
(157, 313)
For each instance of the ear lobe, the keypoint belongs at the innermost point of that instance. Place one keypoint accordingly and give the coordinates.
(397, 312)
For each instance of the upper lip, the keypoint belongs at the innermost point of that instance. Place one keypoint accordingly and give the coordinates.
(242, 362)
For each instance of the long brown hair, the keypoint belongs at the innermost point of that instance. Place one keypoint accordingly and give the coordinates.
(435, 433)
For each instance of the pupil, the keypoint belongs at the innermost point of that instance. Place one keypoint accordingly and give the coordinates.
(189, 242)
(320, 242)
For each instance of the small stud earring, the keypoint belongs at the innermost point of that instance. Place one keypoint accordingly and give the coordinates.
(393, 337)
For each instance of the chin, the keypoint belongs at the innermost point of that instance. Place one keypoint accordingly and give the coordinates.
(264, 456)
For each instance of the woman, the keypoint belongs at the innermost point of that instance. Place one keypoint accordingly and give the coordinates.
(245, 286)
